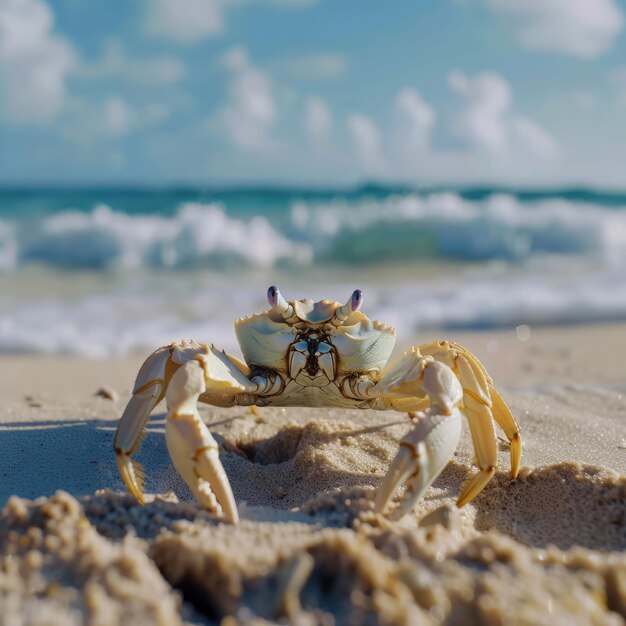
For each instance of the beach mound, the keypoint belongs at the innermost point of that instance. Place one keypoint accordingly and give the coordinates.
(310, 550)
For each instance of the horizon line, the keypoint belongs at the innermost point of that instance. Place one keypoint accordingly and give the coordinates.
(273, 187)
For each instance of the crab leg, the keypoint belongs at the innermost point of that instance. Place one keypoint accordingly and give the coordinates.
(501, 412)
(482, 405)
(151, 386)
(427, 448)
(504, 418)
(484, 440)
(477, 404)
(128, 438)
(148, 392)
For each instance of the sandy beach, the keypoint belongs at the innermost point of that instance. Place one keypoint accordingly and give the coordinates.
(338, 182)
(547, 548)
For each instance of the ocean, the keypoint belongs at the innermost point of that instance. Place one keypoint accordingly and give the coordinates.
(101, 272)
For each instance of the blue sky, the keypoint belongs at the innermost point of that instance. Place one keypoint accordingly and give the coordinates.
(316, 92)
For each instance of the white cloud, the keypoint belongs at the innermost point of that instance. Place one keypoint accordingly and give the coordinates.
(235, 59)
(413, 122)
(487, 98)
(250, 112)
(319, 66)
(367, 142)
(185, 21)
(532, 136)
(189, 21)
(117, 116)
(580, 28)
(318, 121)
(111, 118)
(488, 123)
(114, 63)
(34, 62)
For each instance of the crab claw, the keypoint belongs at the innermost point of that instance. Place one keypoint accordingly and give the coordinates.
(423, 454)
(193, 449)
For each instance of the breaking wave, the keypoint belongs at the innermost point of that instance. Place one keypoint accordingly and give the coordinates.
(398, 228)
(533, 260)
(104, 238)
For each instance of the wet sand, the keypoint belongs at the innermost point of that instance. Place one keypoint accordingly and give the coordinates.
(549, 547)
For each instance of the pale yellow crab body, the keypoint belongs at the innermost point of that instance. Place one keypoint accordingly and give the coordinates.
(318, 354)
(314, 358)
(296, 393)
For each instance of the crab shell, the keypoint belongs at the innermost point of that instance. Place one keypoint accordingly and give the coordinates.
(361, 344)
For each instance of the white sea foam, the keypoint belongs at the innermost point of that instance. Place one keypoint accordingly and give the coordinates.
(500, 227)
(207, 235)
(198, 234)
(121, 320)
(550, 261)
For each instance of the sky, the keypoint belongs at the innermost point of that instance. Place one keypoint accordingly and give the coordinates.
(313, 92)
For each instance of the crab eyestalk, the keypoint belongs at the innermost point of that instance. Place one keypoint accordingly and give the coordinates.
(351, 306)
(278, 303)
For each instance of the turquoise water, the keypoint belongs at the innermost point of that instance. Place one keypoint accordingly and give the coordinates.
(101, 271)
(97, 228)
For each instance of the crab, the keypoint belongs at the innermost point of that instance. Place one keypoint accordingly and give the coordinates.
(319, 354)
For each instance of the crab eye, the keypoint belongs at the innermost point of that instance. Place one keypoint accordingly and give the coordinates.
(357, 300)
(273, 295)
(278, 304)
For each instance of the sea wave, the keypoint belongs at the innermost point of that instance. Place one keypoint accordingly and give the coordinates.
(103, 239)
(133, 317)
(447, 226)
(396, 228)
(539, 260)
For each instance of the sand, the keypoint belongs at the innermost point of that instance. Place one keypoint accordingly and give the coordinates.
(547, 548)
